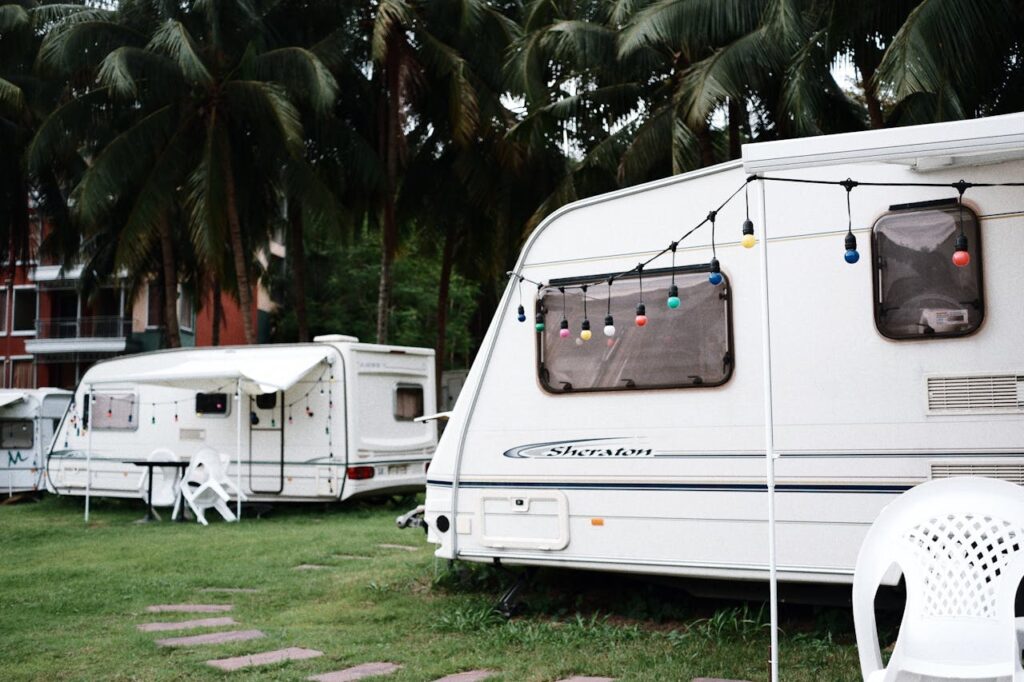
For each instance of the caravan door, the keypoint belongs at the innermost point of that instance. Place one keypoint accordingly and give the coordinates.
(266, 443)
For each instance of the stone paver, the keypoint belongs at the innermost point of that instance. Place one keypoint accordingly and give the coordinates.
(310, 567)
(357, 672)
(293, 653)
(405, 548)
(583, 678)
(468, 676)
(714, 679)
(189, 608)
(186, 624)
(212, 638)
(231, 590)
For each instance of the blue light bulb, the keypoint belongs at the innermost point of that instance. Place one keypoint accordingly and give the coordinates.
(715, 278)
(522, 314)
(851, 256)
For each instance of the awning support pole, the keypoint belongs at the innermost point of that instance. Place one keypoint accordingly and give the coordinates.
(238, 450)
(88, 448)
(769, 440)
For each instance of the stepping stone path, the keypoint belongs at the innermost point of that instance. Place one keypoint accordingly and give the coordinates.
(357, 672)
(290, 654)
(310, 567)
(578, 678)
(186, 624)
(405, 548)
(468, 676)
(212, 638)
(714, 679)
(189, 608)
(230, 590)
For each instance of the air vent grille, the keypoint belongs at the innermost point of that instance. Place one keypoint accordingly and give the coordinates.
(1014, 473)
(973, 394)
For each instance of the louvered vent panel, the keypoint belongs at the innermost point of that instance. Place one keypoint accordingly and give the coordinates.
(973, 394)
(1014, 473)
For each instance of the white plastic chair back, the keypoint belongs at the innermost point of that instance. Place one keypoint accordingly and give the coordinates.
(203, 485)
(165, 479)
(960, 545)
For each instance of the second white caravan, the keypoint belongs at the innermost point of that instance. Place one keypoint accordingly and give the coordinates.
(642, 448)
(322, 421)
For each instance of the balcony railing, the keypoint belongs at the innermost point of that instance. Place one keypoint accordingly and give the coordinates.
(105, 327)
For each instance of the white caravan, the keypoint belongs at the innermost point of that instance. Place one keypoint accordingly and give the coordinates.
(321, 421)
(28, 419)
(645, 451)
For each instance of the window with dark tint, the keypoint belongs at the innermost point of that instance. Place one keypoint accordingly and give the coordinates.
(689, 346)
(266, 401)
(919, 292)
(16, 434)
(408, 403)
(115, 412)
(214, 404)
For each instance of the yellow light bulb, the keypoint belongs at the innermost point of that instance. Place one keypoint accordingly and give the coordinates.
(585, 335)
(748, 241)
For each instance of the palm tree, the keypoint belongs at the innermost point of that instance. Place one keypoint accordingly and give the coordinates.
(206, 129)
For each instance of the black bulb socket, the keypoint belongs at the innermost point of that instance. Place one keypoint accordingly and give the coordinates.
(539, 317)
(585, 325)
(564, 324)
(608, 320)
(851, 241)
(641, 309)
(715, 267)
(673, 290)
(522, 310)
(961, 242)
(748, 226)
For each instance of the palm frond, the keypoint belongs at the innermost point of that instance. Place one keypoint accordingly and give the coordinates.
(173, 40)
(13, 18)
(392, 16)
(302, 73)
(729, 72)
(266, 109)
(12, 99)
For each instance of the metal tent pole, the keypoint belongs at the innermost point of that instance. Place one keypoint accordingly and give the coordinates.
(88, 449)
(238, 449)
(769, 440)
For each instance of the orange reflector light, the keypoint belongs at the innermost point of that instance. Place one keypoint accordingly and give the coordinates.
(359, 473)
(596, 522)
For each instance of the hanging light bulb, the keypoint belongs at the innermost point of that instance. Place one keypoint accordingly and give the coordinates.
(609, 326)
(673, 297)
(539, 322)
(585, 330)
(715, 276)
(522, 314)
(852, 255)
(748, 240)
(563, 329)
(961, 257)
(641, 315)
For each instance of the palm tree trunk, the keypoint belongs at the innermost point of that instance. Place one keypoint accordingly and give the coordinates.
(389, 140)
(447, 259)
(238, 247)
(218, 313)
(297, 253)
(866, 59)
(736, 110)
(706, 146)
(170, 285)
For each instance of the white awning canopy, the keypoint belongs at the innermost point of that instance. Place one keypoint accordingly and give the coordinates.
(11, 397)
(258, 370)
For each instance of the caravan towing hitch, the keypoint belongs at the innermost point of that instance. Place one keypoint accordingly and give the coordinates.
(413, 519)
(508, 604)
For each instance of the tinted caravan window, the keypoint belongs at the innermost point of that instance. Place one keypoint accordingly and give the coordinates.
(408, 403)
(212, 404)
(16, 434)
(690, 346)
(919, 292)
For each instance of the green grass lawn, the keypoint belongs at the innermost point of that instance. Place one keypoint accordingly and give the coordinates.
(71, 595)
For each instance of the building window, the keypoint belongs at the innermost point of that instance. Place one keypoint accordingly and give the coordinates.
(115, 412)
(4, 295)
(24, 319)
(212, 404)
(408, 403)
(16, 434)
(689, 346)
(155, 308)
(919, 292)
(186, 311)
(22, 374)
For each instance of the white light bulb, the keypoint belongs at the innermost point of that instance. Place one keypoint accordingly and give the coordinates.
(609, 330)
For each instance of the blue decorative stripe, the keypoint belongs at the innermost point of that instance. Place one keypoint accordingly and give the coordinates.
(707, 487)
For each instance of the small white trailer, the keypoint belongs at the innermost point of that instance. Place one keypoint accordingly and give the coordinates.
(328, 420)
(28, 420)
(647, 450)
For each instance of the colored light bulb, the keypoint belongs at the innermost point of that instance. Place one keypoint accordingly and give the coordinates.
(522, 314)
(609, 326)
(641, 315)
(673, 297)
(748, 240)
(585, 333)
(563, 329)
(961, 257)
(852, 255)
(539, 319)
(715, 276)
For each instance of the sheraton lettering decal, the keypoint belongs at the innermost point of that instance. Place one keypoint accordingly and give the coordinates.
(594, 448)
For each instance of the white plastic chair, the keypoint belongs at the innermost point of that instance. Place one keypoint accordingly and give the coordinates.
(165, 479)
(203, 486)
(960, 545)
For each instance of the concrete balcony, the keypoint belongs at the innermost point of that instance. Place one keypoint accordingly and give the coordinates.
(105, 334)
